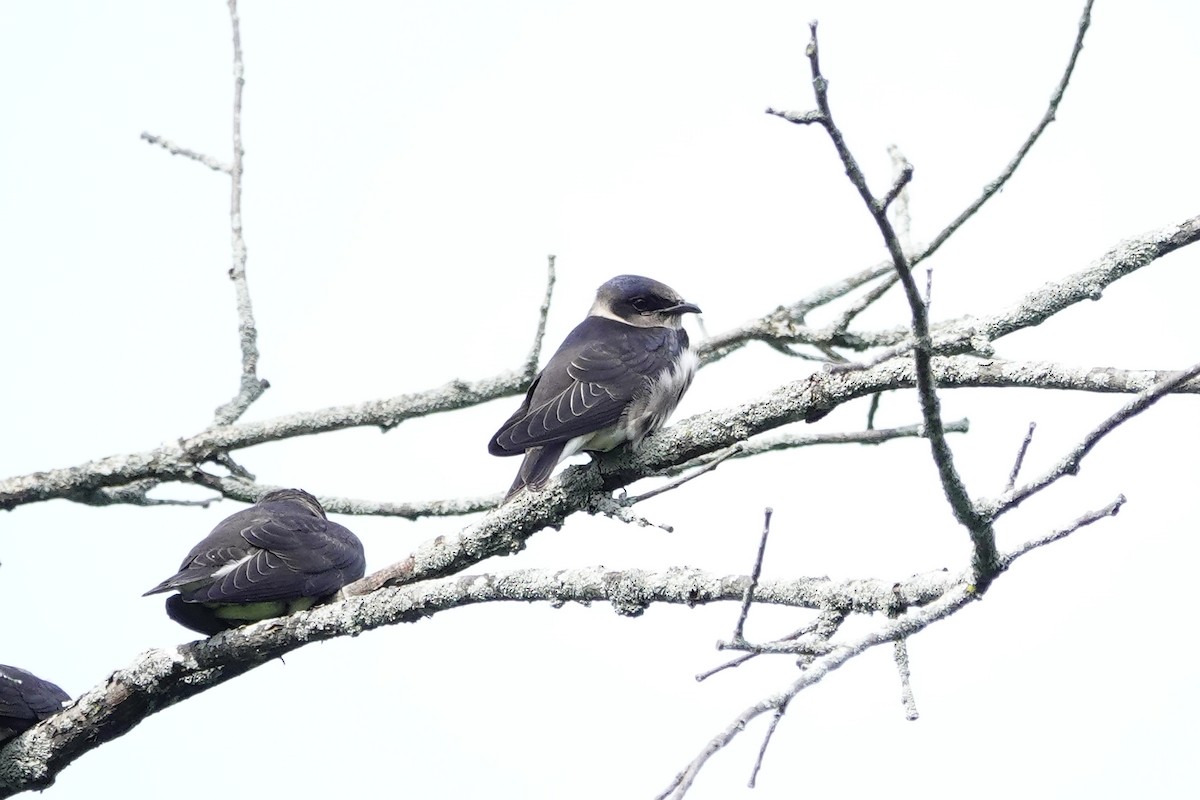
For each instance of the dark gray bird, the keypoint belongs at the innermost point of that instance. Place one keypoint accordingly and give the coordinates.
(277, 557)
(25, 699)
(616, 378)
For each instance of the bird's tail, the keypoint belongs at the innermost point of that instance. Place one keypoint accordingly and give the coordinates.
(536, 469)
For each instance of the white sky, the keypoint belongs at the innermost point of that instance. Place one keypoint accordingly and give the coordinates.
(408, 167)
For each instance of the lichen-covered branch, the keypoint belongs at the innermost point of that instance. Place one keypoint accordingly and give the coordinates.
(158, 679)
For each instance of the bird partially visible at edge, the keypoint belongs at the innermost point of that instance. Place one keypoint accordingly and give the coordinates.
(277, 557)
(25, 700)
(616, 378)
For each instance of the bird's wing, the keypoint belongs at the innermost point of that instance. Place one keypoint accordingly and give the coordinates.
(279, 556)
(24, 696)
(588, 383)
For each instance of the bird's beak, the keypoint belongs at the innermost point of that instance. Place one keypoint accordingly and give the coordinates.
(683, 308)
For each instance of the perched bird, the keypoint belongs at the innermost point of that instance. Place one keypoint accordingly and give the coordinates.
(616, 378)
(25, 699)
(277, 557)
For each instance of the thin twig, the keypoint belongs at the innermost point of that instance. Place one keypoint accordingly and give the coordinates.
(996, 184)
(823, 627)
(1082, 521)
(708, 465)
(604, 503)
(251, 386)
(1016, 467)
(535, 352)
(235, 488)
(986, 557)
(788, 441)
(874, 408)
(748, 597)
(166, 144)
(901, 214)
(1069, 464)
(762, 750)
(953, 600)
(900, 654)
(898, 184)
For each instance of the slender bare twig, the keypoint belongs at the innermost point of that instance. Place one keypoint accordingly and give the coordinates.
(825, 625)
(901, 627)
(1016, 467)
(874, 408)
(762, 749)
(986, 558)
(134, 494)
(901, 214)
(706, 465)
(900, 654)
(898, 184)
(233, 488)
(748, 598)
(1083, 521)
(996, 184)
(604, 503)
(535, 352)
(946, 605)
(166, 144)
(789, 441)
(1069, 464)
(251, 386)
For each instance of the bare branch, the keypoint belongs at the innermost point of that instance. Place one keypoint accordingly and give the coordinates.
(705, 465)
(1083, 521)
(176, 150)
(901, 214)
(251, 386)
(996, 184)
(1016, 467)
(953, 600)
(900, 654)
(986, 559)
(908, 622)
(762, 750)
(1069, 464)
(824, 626)
(755, 572)
(535, 352)
(688, 439)
(901, 181)
(158, 679)
(233, 488)
(874, 409)
(603, 503)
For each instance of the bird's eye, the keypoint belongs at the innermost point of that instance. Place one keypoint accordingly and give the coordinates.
(639, 303)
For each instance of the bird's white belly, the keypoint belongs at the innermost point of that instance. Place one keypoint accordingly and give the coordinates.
(645, 414)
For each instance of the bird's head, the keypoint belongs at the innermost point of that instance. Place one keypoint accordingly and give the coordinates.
(640, 301)
(297, 497)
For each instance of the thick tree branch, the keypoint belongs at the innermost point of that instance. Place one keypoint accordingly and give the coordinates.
(158, 679)
(183, 461)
